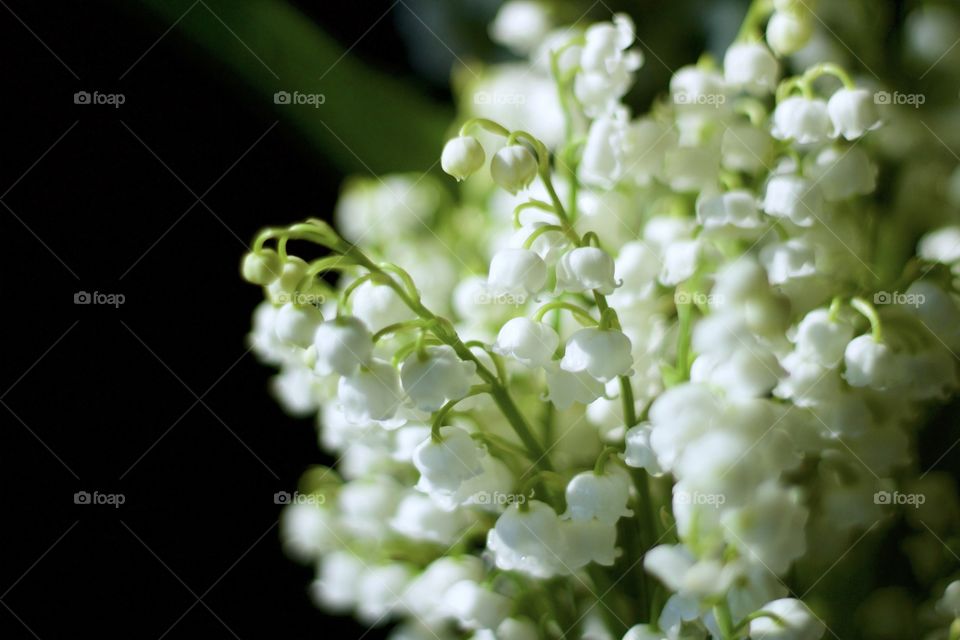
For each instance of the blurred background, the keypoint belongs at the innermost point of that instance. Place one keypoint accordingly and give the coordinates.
(145, 143)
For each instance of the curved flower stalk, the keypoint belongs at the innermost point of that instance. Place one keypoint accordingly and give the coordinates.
(647, 378)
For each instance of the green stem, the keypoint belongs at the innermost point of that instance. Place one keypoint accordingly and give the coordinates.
(868, 311)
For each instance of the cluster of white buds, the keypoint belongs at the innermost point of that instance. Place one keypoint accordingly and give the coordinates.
(671, 393)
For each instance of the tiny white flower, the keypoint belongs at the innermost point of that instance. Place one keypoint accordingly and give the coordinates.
(261, 267)
(378, 306)
(379, 591)
(291, 273)
(566, 387)
(869, 363)
(373, 393)
(785, 261)
(462, 157)
(517, 629)
(788, 31)
(589, 541)
(517, 271)
(822, 339)
(804, 120)
(796, 622)
(336, 587)
(949, 603)
(342, 345)
(842, 173)
(745, 147)
(513, 168)
(602, 497)
(447, 464)
(606, 66)
(636, 269)
(639, 453)
(520, 25)
(441, 574)
(529, 540)
(643, 632)
(680, 261)
(942, 245)
(296, 324)
(603, 353)
(475, 607)
(793, 197)
(853, 113)
(531, 343)
(436, 375)
(586, 268)
(751, 65)
(731, 209)
(419, 518)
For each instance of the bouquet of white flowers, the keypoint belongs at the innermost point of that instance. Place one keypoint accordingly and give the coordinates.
(646, 377)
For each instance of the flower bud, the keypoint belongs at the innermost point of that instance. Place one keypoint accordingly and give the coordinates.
(869, 363)
(462, 157)
(531, 343)
(447, 464)
(584, 269)
(750, 65)
(602, 497)
(788, 32)
(296, 324)
(342, 345)
(603, 353)
(261, 267)
(529, 541)
(853, 113)
(435, 376)
(513, 168)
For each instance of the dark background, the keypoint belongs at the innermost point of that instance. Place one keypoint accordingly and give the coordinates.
(156, 399)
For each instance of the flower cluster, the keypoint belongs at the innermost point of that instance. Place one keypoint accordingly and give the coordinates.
(675, 381)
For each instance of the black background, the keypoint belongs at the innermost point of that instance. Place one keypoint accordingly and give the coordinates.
(156, 399)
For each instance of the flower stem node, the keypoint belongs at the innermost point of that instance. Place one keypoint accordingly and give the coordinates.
(296, 324)
(462, 157)
(434, 376)
(513, 168)
(585, 269)
(261, 267)
(603, 353)
(342, 345)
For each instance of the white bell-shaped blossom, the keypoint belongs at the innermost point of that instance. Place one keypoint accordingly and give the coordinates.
(732, 209)
(745, 147)
(606, 65)
(842, 173)
(793, 197)
(603, 160)
(869, 363)
(790, 260)
(342, 346)
(516, 272)
(308, 530)
(942, 245)
(639, 452)
(517, 629)
(420, 595)
(378, 306)
(513, 168)
(521, 25)
(680, 261)
(380, 591)
(586, 268)
(788, 31)
(822, 339)
(750, 65)
(678, 416)
(528, 540)
(603, 353)
(462, 157)
(643, 632)
(475, 607)
(337, 585)
(419, 518)
(770, 528)
(261, 267)
(436, 375)
(566, 387)
(602, 496)
(530, 343)
(295, 324)
(803, 120)
(794, 621)
(853, 112)
(373, 393)
(949, 603)
(444, 466)
(589, 541)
